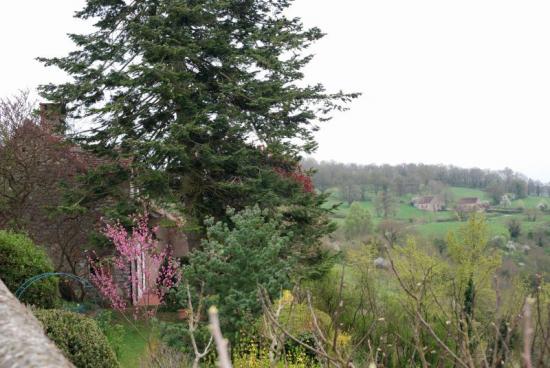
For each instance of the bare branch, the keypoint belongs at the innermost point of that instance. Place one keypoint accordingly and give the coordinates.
(221, 342)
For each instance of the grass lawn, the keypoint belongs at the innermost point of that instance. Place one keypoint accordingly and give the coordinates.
(530, 202)
(134, 346)
(468, 192)
(135, 338)
(440, 229)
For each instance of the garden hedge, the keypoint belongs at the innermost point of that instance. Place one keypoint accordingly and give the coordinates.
(21, 259)
(78, 337)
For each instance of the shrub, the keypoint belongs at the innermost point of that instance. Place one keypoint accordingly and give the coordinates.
(540, 235)
(532, 214)
(514, 228)
(299, 322)
(79, 337)
(498, 241)
(176, 335)
(234, 260)
(440, 245)
(358, 221)
(21, 259)
(251, 356)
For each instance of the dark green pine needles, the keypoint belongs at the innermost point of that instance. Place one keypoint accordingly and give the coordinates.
(206, 97)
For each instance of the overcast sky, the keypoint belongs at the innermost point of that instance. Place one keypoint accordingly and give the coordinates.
(451, 82)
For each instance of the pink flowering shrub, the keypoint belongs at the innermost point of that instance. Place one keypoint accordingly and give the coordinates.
(102, 279)
(151, 272)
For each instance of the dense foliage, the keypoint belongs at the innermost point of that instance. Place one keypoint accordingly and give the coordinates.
(78, 337)
(235, 260)
(358, 222)
(424, 308)
(204, 96)
(21, 259)
(298, 320)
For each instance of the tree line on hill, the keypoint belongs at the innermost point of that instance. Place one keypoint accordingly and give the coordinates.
(353, 181)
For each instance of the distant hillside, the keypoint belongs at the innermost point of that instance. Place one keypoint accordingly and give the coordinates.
(354, 181)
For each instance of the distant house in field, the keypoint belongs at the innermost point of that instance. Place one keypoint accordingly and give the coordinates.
(471, 204)
(428, 203)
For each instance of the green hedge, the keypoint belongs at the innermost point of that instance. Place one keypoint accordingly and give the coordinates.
(21, 259)
(79, 337)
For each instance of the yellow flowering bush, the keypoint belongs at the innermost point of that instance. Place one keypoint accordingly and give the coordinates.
(250, 355)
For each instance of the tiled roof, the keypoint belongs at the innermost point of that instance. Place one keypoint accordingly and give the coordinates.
(468, 200)
(425, 200)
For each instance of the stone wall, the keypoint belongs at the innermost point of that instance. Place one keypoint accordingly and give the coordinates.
(23, 343)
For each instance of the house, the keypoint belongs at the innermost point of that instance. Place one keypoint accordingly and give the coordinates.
(428, 203)
(166, 222)
(471, 204)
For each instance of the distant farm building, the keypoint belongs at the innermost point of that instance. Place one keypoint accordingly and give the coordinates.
(428, 203)
(471, 204)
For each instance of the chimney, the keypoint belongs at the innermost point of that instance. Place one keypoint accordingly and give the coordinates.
(52, 117)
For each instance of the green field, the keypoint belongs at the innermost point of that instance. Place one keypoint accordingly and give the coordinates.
(468, 192)
(530, 202)
(438, 224)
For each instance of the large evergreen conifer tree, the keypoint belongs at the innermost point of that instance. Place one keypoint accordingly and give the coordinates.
(207, 98)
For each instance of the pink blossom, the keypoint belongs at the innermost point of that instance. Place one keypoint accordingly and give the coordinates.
(103, 281)
(151, 271)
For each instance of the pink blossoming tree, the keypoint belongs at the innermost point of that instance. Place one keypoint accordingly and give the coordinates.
(150, 271)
